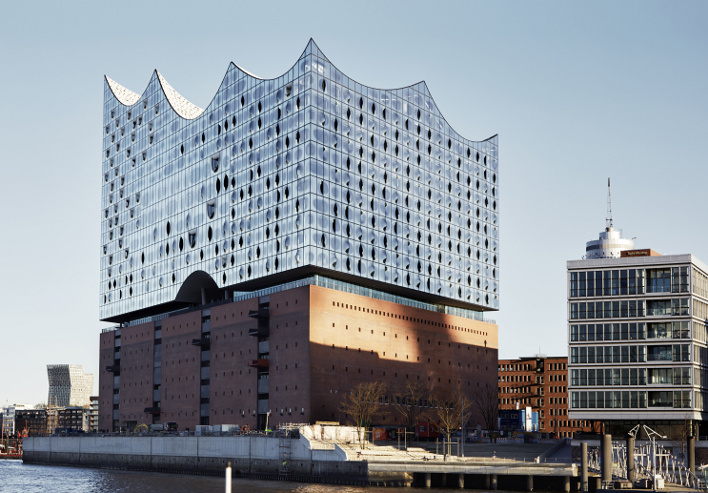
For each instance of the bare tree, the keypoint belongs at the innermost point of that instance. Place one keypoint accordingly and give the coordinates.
(362, 403)
(408, 403)
(451, 410)
(487, 403)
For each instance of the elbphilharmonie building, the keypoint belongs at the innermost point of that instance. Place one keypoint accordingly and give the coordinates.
(310, 181)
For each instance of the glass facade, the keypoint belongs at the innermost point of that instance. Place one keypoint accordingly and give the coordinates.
(308, 171)
(637, 338)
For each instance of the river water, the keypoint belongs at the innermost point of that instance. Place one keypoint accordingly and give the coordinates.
(16, 477)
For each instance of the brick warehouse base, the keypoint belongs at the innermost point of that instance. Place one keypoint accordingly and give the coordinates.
(295, 353)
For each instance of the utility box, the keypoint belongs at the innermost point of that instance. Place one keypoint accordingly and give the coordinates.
(225, 428)
(659, 482)
(200, 430)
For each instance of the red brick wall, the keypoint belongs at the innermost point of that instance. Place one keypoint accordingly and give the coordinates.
(136, 369)
(290, 357)
(357, 339)
(105, 381)
(233, 396)
(181, 370)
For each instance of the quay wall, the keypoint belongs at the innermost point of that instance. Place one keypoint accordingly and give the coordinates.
(250, 456)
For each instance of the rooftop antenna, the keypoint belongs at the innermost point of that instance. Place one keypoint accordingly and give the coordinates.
(608, 220)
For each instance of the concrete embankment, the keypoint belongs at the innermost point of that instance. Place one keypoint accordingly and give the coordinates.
(250, 456)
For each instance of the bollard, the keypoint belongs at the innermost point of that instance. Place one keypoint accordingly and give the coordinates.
(606, 462)
(584, 486)
(228, 477)
(566, 484)
(692, 453)
(631, 473)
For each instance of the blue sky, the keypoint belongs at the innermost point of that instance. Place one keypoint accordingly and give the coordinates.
(577, 91)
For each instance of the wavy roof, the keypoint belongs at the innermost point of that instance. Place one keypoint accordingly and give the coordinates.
(190, 111)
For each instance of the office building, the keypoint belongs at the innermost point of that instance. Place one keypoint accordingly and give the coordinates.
(637, 332)
(298, 236)
(540, 383)
(69, 386)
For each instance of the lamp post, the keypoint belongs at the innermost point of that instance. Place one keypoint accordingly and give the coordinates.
(653, 435)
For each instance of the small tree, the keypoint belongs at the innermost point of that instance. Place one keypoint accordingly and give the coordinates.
(407, 403)
(451, 409)
(487, 403)
(361, 404)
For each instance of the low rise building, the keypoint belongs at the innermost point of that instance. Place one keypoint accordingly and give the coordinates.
(74, 418)
(8, 421)
(539, 382)
(32, 422)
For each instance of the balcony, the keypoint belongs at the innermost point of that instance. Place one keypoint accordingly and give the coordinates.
(258, 363)
(263, 313)
(204, 342)
(115, 368)
(152, 410)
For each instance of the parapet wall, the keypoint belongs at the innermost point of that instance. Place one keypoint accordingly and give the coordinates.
(249, 456)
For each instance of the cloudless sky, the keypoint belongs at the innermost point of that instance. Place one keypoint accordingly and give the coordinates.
(577, 91)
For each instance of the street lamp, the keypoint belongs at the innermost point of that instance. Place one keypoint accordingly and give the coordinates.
(653, 435)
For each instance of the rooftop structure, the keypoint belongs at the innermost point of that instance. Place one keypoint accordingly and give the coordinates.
(610, 243)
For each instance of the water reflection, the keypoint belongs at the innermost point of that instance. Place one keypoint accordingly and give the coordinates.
(16, 477)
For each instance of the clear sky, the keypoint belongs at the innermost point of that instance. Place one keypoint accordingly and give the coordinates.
(577, 91)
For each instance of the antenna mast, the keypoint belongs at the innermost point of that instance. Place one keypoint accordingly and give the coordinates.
(608, 220)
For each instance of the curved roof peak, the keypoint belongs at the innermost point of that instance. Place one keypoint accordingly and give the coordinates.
(312, 48)
(179, 103)
(122, 94)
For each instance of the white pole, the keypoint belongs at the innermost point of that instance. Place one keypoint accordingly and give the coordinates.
(228, 477)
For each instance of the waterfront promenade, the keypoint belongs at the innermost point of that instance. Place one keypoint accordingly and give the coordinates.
(332, 457)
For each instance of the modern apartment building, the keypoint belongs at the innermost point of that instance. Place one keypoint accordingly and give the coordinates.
(637, 332)
(539, 382)
(69, 386)
(298, 236)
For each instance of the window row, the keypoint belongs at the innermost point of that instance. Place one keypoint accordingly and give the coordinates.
(630, 331)
(629, 309)
(625, 399)
(630, 354)
(630, 376)
(622, 282)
